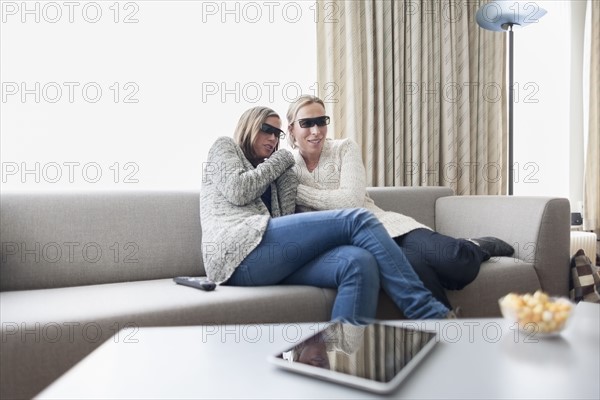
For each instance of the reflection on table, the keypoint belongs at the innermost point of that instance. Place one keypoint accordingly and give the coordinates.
(375, 352)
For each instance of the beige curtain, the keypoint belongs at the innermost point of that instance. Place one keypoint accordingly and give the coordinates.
(420, 87)
(591, 185)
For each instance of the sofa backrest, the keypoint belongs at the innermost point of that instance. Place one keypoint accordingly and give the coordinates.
(68, 239)
(58, 239)
(417, 202)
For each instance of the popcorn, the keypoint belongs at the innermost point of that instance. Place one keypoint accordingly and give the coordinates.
(548, 314)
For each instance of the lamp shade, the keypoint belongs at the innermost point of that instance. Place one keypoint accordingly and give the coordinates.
(498, 15)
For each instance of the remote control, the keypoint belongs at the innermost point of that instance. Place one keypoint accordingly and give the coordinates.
(201, 283)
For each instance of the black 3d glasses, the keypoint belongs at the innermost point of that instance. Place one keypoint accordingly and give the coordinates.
(310, 122)
(266, 128)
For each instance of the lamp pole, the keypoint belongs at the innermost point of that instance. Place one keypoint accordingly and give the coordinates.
(504, 15)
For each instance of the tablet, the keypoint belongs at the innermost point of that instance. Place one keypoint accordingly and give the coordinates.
(375, 357)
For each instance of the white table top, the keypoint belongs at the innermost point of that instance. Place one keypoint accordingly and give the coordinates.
(482, 358)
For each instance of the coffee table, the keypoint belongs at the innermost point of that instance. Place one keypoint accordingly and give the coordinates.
(479, 358)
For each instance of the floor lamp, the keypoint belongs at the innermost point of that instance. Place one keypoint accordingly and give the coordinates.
(504, 16)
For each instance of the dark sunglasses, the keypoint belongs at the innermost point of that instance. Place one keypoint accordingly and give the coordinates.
(310, 122)
(271, 130)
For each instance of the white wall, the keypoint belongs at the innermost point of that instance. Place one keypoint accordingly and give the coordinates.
(184, 73)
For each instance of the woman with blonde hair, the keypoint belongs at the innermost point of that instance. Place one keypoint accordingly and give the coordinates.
(251, 236)
(332, 176)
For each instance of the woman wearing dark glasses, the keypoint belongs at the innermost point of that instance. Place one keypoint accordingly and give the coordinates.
(251, 236)
(332, 175)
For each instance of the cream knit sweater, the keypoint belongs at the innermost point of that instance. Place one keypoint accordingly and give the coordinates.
(339, 182)
(233, 215)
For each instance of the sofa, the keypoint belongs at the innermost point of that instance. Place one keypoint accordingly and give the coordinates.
(78, 267)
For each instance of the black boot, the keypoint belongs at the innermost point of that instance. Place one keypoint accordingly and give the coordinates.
(494, 246)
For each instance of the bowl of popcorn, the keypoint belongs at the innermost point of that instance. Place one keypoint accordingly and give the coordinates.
(537, 313)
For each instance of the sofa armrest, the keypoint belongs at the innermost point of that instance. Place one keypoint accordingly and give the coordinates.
(537, 227)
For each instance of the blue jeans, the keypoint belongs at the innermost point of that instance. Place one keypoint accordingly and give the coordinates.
(346, 249)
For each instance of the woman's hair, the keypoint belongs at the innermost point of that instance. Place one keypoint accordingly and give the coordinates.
(293, 109)
(248, 127)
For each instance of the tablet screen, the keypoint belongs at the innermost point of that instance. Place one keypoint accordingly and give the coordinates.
(374, 357)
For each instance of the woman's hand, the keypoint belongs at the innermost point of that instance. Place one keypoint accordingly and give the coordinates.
(283, 157)
(234, 176)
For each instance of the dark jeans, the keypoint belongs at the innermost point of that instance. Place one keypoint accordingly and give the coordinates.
(442, 262)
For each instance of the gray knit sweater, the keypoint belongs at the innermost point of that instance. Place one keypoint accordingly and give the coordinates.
(234, 218)
(339, 181)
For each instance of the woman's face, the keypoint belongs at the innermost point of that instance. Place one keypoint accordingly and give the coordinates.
(310, 140)
(315, 354)
(265, 142)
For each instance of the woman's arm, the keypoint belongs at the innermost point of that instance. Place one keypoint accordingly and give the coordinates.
(348, 172)
(228, 168)
(287, 187)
